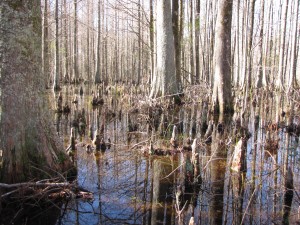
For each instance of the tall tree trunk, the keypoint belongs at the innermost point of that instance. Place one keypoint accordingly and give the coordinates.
(279, 81)
(177, 37)
(259, 78)
(98, 65)
(75, 50)
(27, 138)
(197, 41)
(139, 44)
(87, 64)
(67, 73)
(222, 97)
(164, 82)
(191, 34)
(292, 78)
(151, 34)
(56, 86)
(46, 65)
(249, 46)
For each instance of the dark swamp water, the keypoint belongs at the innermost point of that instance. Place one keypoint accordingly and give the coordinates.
(131, 187)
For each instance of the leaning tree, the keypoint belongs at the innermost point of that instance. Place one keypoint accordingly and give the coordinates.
(31, 147)
(222, 97)
(164, 82)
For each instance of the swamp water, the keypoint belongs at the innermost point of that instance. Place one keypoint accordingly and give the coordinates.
(131, 187)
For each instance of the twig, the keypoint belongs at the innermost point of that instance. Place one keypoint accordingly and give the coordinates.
(172, 171)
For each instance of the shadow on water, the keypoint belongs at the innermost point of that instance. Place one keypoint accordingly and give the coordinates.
(132, 187)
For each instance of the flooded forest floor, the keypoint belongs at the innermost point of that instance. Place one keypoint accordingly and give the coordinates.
(243, 169)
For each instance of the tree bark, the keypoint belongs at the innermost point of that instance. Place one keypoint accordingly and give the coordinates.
(98, 70)
(66, 43)
(222, 99)
(27, 139)
(176, 22)
(197, 41)
(56, 86)
(75, 50)
(249, 47)
(279, 81)
(292, 78)
(165, 82)
(46, 65)
(259, 78)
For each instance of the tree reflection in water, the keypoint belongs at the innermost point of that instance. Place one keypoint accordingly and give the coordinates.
(132, 188)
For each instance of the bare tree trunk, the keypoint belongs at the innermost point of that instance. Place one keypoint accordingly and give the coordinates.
(197, 41)
(98, 66)
(279, 81)
(191, 52)
(87, 64)
(75, 50)
(292, 78)
(164, 82)
(259, 78)
(249, 46)
(151, 36)
(67, 73)
(237, 57)
(56, 86)
(176, 15)
(27, 138)
(46, 65)
(222, 99)
(139, 44)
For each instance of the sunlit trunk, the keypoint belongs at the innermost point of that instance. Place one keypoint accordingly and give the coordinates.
(222, 98)
(282, 49)
(98, 63)
(75, 50)
(165, 82)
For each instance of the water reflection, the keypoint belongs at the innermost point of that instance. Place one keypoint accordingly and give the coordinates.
(131, 188)
(162, 192)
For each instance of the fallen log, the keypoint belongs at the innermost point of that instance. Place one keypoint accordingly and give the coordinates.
(43, 190)
(22, 202)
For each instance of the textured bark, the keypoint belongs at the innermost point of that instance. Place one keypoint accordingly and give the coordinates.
(177, 37)
(197, 41)
(87, 63)
(98, 65)
(56, 85)
(66, 43)
(259, 79)
(27, 139)
(75, 66)
(192, 41)
(292, 78)
(165, 82)
(46, 44)
(151, 37)
(249, 46)
(222, 99)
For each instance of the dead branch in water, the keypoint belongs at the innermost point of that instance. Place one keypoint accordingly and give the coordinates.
(43, 190)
